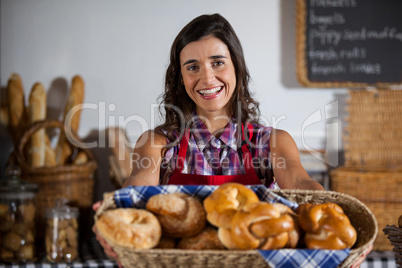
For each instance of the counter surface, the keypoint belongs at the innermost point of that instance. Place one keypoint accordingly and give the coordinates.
(92, 255)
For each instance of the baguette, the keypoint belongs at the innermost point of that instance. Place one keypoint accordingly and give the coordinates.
(121, 152)
(4, 116)
(71, 120)
(37, 112)
(50, 155)
(75, 98)
(3, 108)
(16, 107)
(81, 158)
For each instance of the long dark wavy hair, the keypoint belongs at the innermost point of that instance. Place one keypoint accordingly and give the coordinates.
(177, 105)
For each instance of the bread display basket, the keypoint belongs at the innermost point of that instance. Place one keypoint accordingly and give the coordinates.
(74, 182)
(360, 216)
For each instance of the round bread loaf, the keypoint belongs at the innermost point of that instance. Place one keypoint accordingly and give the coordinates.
(166, 242)
(129, 227)
(326, 226)
(179, 214)
(225, 201)
(207, 239)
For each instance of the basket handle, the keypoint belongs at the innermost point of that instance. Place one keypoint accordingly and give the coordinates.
(47, 124)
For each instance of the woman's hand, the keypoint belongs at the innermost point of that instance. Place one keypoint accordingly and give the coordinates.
(362, 257)
(106, 247)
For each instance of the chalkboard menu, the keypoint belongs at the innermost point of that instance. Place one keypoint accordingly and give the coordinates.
(349, 43)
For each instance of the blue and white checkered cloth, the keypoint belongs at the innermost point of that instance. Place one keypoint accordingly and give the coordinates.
(137, 197)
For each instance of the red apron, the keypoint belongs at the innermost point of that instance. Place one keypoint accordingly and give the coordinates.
(250, 178)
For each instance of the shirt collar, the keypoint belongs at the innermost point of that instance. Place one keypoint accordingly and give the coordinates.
(202, 136)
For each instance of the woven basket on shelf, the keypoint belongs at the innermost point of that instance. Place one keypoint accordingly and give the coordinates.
(373, 135)
(72, 182)
(373, 155)
(394, 234)
(361, 218)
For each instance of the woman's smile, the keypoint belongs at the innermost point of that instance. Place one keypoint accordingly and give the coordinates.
(210, 93)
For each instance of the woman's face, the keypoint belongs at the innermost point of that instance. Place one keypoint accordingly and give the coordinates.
(208, 75)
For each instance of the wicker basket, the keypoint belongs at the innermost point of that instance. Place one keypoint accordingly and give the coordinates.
(72, 182)
(380, 189)
(395, 237)
(373, 135)
(365, 224)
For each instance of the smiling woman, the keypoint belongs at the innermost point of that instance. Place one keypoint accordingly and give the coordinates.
(211, 134)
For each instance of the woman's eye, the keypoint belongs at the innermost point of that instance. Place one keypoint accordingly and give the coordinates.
(218, 63)
(192, 68)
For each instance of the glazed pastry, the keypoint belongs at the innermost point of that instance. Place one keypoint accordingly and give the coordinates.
(326, 226)
(265, 226)
(225, 201)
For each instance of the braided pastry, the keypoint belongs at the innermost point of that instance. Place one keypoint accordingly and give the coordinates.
(326, 226)
(261, 225)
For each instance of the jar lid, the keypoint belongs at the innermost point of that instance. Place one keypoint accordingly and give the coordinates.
(14, 184)
(62, 210)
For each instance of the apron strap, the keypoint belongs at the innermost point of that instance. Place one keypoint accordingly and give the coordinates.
(245, 149)
(181, 157)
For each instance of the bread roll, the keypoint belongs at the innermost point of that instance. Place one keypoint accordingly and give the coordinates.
(225, 201)
(37, 112)
(262, 225)
(225, 236)
(26, 252)
(179, 214)
(16, 105)
(275, 230)
(12, 241)
(207, 239)
(129, 227)
(166, 242)
(326, 226)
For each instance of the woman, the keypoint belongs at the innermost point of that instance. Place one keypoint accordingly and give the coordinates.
(211, 133)
(207, 102)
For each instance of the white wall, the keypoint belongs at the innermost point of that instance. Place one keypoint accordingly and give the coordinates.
(121, 50)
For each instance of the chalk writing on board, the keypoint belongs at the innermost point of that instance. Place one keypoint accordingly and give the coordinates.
(344, 43)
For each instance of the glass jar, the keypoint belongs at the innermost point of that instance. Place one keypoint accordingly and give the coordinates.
(17, 218)
(61, 237)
